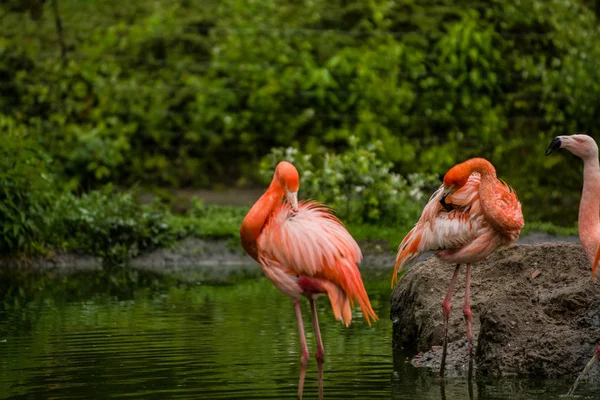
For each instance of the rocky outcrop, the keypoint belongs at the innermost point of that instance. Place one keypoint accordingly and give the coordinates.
(535, 312)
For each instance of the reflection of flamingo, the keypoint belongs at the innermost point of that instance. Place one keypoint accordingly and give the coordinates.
(305, 251)
(467, 218)
(585, 147)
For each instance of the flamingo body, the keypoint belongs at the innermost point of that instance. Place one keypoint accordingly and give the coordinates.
(481, 218)
(585, 147)
(466, 219)
(310, 253)
(305, 251)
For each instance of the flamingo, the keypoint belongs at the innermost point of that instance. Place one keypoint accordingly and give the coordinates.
(585, 147)
(466, 219)
(305, 251)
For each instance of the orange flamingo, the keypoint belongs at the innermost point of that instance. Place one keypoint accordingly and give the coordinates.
(585, 147)
(305, 251)
(470, 216)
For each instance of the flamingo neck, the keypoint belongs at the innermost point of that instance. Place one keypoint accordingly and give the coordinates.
(483, 167)
(589, 208)
(487, 193)
(258, 216)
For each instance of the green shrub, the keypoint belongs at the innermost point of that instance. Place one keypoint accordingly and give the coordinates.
(170, 93)
(212, 221)
(26, 191)
(357, 183)
(111, 225)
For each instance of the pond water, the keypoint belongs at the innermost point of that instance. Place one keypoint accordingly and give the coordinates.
(128, 334)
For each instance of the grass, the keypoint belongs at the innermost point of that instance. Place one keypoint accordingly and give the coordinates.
(549, 228)
(223, 222)
(115, 227)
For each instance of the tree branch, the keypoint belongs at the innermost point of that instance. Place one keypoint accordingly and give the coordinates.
(59, 30)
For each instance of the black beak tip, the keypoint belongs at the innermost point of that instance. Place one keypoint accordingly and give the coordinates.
(555, 145)
(446, 206)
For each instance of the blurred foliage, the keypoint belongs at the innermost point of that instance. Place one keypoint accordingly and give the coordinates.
(213, 221)
(358, 184)
(26, 190)
(374, 96)
(111, 225)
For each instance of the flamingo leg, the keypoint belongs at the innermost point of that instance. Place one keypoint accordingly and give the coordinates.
(305, 356)
(585, 371)
(320, 349)
(468, 315)
(446, 312)
(320, 367)
(301, 381)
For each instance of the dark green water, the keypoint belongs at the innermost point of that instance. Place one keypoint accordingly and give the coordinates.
(132, 335)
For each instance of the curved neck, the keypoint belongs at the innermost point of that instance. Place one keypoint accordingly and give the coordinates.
(589, 208)
(258, 216)
(487, 192)
(483, 166)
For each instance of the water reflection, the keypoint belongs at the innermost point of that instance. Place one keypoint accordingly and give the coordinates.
(127, 334)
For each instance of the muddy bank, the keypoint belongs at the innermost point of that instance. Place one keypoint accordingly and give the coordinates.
(195, 259)
(535, 312)
(192, 260)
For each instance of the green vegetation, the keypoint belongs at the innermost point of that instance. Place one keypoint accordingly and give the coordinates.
(373, 101)
(111, 225)
(357, 183)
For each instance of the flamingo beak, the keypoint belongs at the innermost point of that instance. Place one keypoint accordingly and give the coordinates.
(446, 193)
(292, 198)
(555, 145)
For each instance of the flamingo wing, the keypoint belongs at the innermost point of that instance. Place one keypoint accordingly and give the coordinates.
(509, 219)
(312, 248)
(438, 229)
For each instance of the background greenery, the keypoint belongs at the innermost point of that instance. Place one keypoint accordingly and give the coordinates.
(375, 99)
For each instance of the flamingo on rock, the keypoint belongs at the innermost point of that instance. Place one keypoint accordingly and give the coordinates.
(466, 219)
(305, 251)
(585, 147)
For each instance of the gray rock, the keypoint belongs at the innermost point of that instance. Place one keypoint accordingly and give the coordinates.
(535, 312)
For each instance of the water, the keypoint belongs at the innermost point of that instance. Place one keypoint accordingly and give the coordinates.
(127, 334)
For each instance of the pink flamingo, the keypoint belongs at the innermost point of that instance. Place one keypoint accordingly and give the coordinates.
(305, 251)
(585, 147)
(470, 216)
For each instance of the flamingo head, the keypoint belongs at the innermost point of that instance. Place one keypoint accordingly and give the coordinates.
(456, 177)
(288, 178)
(581, 145)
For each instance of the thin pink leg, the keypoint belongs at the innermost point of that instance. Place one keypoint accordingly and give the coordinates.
(305, 356)
(446, 312)
(301, 381)
(468, 315)
(585, 371)
(320, 367)
(320, 349)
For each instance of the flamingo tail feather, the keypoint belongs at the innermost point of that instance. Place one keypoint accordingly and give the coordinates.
(407, 251)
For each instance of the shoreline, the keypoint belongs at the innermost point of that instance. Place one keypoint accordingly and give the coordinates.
(193, 259)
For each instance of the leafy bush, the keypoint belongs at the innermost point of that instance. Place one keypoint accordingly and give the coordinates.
(163, 93)
(213, 221)
(111, 225)
(357, 183)
(26, 191)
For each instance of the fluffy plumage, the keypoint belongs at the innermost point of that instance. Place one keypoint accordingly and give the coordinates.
(313, 243)
(470, 231)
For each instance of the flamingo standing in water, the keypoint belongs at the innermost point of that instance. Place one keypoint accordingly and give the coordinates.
(305, 251)
(585, 147)
(470, 216)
